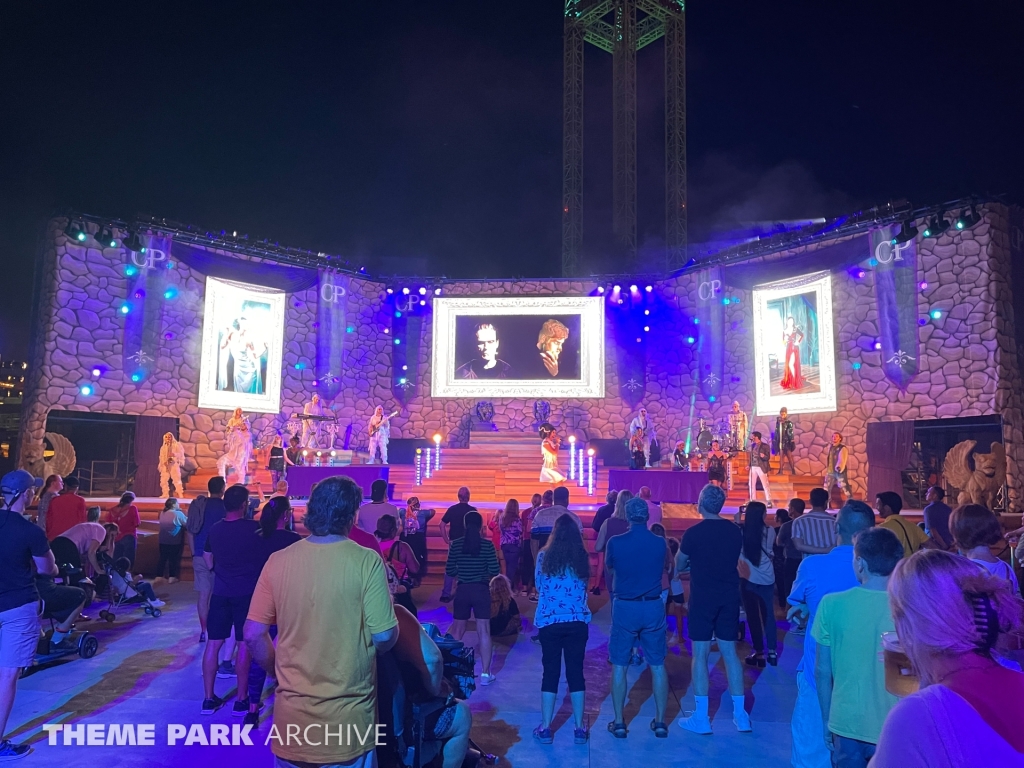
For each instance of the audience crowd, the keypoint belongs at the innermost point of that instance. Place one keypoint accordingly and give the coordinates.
(908, 632)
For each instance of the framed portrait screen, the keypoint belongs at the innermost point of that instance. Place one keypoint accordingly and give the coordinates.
(518, 346)
(243, 331)
(794, 357)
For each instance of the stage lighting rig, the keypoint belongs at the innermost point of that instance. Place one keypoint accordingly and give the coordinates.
(968, 219)
(76, 230)
(907, 233)
(937, 225)
(105, 237)
(134, 243)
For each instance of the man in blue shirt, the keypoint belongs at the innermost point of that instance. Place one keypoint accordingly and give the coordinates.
(936, 518)
(816, 577)
(636, 560)
(203, 513)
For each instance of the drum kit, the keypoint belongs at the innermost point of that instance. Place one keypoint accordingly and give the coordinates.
(708, 432)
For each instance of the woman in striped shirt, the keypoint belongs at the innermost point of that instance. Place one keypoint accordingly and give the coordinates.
(474, 562)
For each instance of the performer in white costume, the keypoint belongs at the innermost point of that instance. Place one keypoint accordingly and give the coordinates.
(643, 422)
(312, 429)
(380, 432)
(549, 451)
(238, 447)
(172, 459)
(739, 427)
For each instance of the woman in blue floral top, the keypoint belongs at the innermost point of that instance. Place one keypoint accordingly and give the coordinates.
(563, 616)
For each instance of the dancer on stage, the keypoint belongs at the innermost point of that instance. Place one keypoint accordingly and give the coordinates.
(237, 448)
(549, 451)
(738, 427)
(717, 458)
(312, 429)
(380, 432)
(277, 459)
(835, 466)
(785, 440)
(172, 459)
(644, 425)
(760, 466)
(791, 337)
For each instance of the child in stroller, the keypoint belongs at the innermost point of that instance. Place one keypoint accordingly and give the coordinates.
(126, 589)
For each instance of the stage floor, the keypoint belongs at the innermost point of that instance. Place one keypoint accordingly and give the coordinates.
(148, 671)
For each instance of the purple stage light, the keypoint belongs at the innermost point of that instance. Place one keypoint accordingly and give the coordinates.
(600, 289)
(878, 345)
(437, 291)
(647, 327)
(859, 273)
(387, 330)
(647, 311)
(140, 294)
(620, 301)
(390, 291)
(923, 285)
(405, 291)
(168, 335)
(649, 288)
(633, 288)
(423, 291)
(617, 288)
(96, 372)
(922, 321)
(423, 303)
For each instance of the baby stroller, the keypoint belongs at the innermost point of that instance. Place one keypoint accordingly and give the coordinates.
(122, 590)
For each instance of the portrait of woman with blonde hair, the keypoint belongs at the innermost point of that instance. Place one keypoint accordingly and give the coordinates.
(952, 618)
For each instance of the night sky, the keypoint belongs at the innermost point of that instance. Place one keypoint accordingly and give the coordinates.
(426, 137)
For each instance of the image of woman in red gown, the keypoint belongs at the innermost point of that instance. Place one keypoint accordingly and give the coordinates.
(792, 336)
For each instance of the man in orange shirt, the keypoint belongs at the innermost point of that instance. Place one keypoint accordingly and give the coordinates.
(66, 510)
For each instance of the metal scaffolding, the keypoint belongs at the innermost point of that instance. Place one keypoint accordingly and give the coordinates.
(622, 27)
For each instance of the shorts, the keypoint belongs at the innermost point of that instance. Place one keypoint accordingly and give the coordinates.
(638, 620)
(225, 613)
(59, 602)
(202, 575)
(679, 599)
(475, 597)
(19, 635)
(714, 616)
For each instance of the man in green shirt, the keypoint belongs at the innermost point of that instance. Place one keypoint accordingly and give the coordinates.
(849, 672)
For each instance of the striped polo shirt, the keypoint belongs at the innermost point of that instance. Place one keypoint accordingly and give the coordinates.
(816, 529)
(480, 568)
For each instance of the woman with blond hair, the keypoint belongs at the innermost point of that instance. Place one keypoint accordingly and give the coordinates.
(951, 618)
(510, 529)
(504, 608)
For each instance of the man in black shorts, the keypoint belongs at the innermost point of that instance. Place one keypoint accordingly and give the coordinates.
(235, 553)
(710, 551)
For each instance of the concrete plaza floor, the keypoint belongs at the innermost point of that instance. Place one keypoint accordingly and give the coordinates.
(148, 671)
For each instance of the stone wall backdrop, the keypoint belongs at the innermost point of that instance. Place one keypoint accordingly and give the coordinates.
(969, 361)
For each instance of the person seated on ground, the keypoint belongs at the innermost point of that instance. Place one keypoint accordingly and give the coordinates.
(505, 620)
(421, 679)
(951, 618)
(401, 558)
(80, 544)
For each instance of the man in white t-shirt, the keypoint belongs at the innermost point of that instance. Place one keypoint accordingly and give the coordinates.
(369, 514)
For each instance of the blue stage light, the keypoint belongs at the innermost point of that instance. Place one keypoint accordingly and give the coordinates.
(350, 329)
(423, 291)
(86, 390)
(690, 339)
(726, 301)
(398, 341)
(130, 271)
(401, 380)
(711, 398)
(633, 288)
(856, 366)
(398, 314)
(696, 321)
(647, 327)
(936, 314)
(170, 293)
(136, 378)
(405, 291)
(126, 308)
(649, 288)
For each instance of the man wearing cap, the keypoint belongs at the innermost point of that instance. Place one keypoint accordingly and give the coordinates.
(710, 550)
(636, 561)
(24, 552)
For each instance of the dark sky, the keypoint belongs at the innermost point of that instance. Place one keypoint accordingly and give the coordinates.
(427, 136)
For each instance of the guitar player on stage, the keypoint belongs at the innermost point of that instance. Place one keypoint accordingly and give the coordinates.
(380, 432)
(643, 425)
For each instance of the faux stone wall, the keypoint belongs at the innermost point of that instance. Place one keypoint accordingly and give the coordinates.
(968, 367)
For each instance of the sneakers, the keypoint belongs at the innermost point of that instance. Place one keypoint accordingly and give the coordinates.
(697, 724)
(636, 659)
(742, 722)
(486, 678)
(226, 670)
(251, 718)
(240, 708)
(543, 735)
(157, 603)
(211, 705)
(580, 735)
(68, 644)
(11, 751)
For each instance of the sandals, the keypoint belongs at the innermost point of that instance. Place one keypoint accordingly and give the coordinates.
(660, 729)
(755, 660)
(618, 730)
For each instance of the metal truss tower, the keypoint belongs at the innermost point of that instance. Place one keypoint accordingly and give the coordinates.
(623, 27)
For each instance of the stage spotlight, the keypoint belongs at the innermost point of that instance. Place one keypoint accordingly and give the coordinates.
(390, 291)
(437, 291)
(968, 220)
(397, 342)
(423, 291)
(405, 291)
(878, 345)
(935, 314)
(856, 366)
(423, 303)
(600, 289)
(401, 381)
(633, 288)
(620, 301)
(647, 327)
(690, 339)
(136, 378)
(86, 390)
(405, 367)
(617, 288)
(437, 438)
(97, 372)
(907, 233)
(937, 225)
(105, 237)
(647, 311)
(649, 288)
(76, 230)
(333, 454)
(126, 308)
(170, 293)
(923, 285)
(134, 243)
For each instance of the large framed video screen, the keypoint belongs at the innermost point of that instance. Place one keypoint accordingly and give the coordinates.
(794, 355)
(243, 331)
(518, 346)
